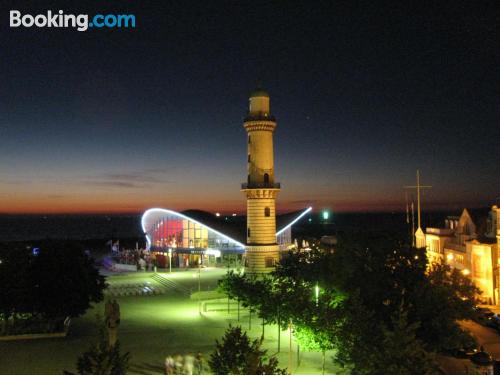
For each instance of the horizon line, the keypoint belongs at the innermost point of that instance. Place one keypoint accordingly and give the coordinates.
(241, 213)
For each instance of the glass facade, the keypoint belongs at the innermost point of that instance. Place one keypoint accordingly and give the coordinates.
(181, 241)
(171, 230)
(284, 238)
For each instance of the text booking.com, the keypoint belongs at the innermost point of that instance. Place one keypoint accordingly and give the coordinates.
(80, 22)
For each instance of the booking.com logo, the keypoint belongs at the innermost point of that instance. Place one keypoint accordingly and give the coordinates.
(79, 22)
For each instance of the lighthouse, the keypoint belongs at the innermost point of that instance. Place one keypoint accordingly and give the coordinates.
(262, 250)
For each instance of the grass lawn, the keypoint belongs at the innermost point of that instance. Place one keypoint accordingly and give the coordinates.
(151, 327)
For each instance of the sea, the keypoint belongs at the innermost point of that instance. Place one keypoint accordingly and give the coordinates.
(115, 227)
(69, 227)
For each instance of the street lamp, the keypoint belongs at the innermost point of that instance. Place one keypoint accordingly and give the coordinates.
(199, 285)
(199, 275)
(316, 292)
(170, 259)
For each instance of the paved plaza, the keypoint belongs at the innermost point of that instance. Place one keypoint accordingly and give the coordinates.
(152, 326)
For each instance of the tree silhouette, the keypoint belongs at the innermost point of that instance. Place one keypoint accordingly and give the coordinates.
(237, 355)
(101, 358)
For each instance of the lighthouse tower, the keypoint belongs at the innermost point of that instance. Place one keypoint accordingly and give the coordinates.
(262, 251)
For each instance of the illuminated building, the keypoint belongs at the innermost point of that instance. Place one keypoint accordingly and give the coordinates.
(194, 237)
(459, 245)
(262, 250)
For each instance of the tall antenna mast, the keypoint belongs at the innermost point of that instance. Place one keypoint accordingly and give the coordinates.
(418, 187)
(412, 223)
(407, 211)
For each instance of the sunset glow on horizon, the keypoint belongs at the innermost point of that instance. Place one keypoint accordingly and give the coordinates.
(123, 120)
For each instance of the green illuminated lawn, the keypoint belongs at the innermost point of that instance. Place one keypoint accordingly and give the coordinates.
(152, 327)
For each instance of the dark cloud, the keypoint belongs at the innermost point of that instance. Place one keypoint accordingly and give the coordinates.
(129, 180)
(118, 184)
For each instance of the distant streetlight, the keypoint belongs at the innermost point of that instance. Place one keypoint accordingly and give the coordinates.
(199, 274)
(170, 259)
(199, 284)
(326, 215)
(316, 292)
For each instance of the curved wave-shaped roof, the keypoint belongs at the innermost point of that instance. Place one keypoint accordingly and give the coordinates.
(152, 215)
(233, 229)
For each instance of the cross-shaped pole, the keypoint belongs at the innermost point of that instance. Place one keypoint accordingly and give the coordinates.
(418, 187)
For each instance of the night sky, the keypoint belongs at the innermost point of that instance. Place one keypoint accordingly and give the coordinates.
(123, 120)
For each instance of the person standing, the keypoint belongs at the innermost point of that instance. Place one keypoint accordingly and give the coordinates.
(188, 364)
(178, 364)
(169, 365)
(199, 363)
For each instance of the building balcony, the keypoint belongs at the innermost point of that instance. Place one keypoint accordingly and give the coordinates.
(261, 185)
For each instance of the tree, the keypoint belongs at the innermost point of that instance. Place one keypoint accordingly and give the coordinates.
(101, 358)
(47, 282)
(237, 355)
(15, 289)
(247, 290)
(400, 352)
(64, 280)
(313, 341)
(367, 285)
(446, 297)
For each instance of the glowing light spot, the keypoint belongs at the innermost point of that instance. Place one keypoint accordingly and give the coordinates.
(326, 215)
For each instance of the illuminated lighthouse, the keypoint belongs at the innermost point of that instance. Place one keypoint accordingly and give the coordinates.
(262, 251)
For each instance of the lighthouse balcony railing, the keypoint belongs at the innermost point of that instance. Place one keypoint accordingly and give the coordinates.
(260, 117)
(261, 185)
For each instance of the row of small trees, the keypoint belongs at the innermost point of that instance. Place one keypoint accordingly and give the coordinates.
(235, 354)
(374, 302)
(47, 282)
